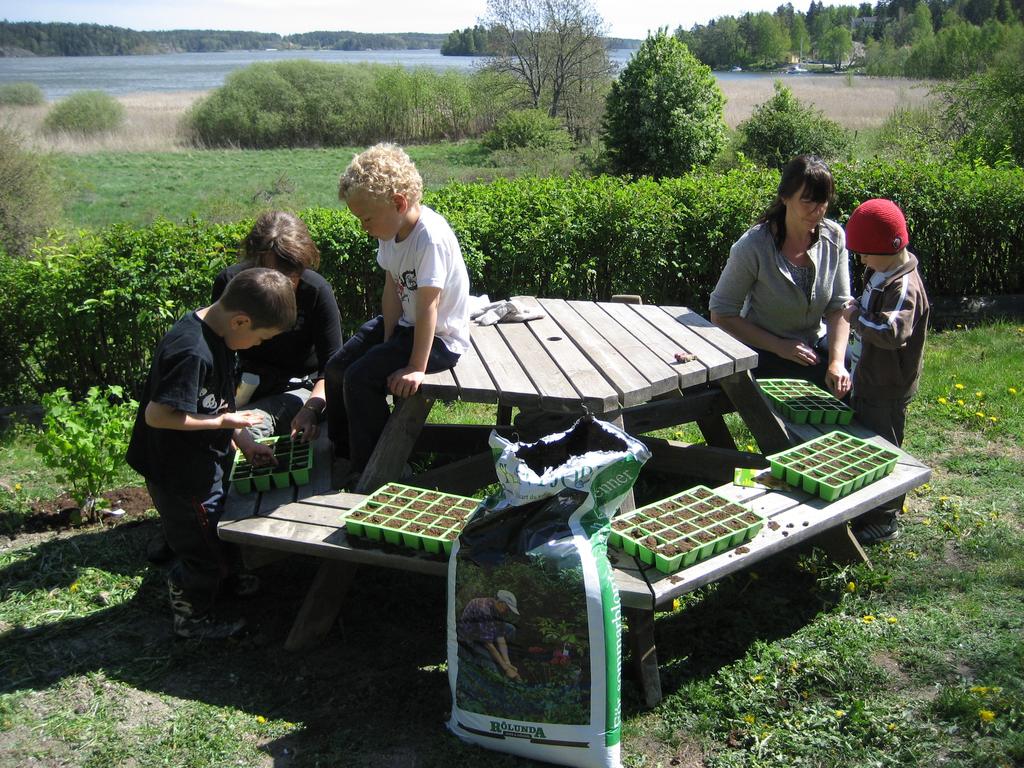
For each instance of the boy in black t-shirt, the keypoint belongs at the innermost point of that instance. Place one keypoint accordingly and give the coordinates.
(181, 441)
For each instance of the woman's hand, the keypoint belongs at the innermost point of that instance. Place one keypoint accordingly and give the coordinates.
(838, 380)
(797, 351)
(306, 424)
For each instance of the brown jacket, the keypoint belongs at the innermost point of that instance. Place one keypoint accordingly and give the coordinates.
(892, 332)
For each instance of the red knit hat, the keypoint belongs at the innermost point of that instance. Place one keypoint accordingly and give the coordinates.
(877, 227)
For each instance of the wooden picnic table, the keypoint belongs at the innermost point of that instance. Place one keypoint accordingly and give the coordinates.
(614, 360)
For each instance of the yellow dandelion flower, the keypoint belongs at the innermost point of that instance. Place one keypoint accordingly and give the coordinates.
(1012, 390)
(980, 414)
(982, 689)
(748, 719)
(839, 712)
(794, 666)
(17, 487)
(944, 401)
(676, 604)
(959, 402)
(261, 719)
(851, 587)
(757, 678)
(986, 715)
(892, 620)
(979, 393)
(926, 521)
(958, 386)
(943, 498)
(890, 727)
(993, 419)
(73, 587)
(911, 554)
(869, 619)
(750, 448)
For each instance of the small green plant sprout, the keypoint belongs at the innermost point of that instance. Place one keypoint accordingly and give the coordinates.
(85, 442)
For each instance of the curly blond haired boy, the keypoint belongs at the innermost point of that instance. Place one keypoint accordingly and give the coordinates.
(424, 323)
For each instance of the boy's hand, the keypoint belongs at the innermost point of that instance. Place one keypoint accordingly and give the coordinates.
(851, 310)
(240, 419)
(257, 454)
(405, 382)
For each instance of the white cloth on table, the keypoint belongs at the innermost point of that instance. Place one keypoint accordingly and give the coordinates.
(485, 312)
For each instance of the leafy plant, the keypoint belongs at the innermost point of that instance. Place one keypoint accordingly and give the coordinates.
(664, 113)
(782, 128)
(527, 129)
(86, 113)
(85, 442)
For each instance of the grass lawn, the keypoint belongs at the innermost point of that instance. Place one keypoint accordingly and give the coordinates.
(225, 185)
(800, 662)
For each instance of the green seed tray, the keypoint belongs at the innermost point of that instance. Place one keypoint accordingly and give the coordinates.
(833, 465)
(804, 403)
(684, 529)
(294, 463)
(416, 518)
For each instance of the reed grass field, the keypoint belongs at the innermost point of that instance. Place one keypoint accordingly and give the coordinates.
(154, 120)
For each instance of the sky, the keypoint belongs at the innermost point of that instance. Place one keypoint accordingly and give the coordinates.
(624, 18)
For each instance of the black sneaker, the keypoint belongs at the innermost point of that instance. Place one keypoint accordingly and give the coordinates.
(242, 585)
(877, 531)
(158, 551)
(206, 627)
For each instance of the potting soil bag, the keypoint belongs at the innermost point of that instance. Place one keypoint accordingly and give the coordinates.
(534, 626)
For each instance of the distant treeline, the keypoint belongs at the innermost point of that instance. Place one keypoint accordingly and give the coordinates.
(59, 39)
(475, 41)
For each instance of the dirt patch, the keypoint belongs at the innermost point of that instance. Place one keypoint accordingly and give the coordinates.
(684, 754)
(892, 667)
(60, 513)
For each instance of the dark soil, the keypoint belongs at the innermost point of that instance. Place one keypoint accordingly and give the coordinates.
(63, 513)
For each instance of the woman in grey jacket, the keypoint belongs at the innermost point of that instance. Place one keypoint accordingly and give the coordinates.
(786, 280)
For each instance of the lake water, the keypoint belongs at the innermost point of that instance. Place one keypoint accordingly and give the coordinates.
(58, 76)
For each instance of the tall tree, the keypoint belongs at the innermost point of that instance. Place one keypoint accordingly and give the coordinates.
(836, 46)
(550, 46)
(664, 114)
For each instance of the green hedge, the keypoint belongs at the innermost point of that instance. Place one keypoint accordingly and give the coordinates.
(90, 311)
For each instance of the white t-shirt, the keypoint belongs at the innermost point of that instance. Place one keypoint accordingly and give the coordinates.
(430, 257)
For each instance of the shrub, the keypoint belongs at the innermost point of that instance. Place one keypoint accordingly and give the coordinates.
(86, 113)
(664, 112)
(21, 95)
(306, 103)
(28, 198)
(527, 129)
(782, 128)
(91, 311)
(85, 442)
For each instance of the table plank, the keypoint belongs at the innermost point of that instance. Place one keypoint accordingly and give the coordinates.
(594, 390)
(743, 356)
(688, 374)
(556, 391)
(718, 363)
(631, 386)
(474, 383)
(510, 380)
(655, 368)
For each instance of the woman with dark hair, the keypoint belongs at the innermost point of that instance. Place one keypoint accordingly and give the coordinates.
(786, 280)
(290, 390)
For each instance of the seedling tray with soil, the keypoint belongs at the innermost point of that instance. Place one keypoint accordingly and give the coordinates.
(416, 518)
(294, 463)
(684, 529)
(833, 465)
(804, 403)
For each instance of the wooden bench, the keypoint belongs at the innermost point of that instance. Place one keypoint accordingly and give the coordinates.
(308, 520)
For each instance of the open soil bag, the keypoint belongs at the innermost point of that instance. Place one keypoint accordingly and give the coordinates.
(534, 624)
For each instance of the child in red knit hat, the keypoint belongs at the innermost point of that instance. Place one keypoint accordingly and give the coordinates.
(888, 325)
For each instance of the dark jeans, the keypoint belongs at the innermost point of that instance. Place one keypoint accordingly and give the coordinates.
(771, 366)
(190, 525)
(356, 379)
(887, 418)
